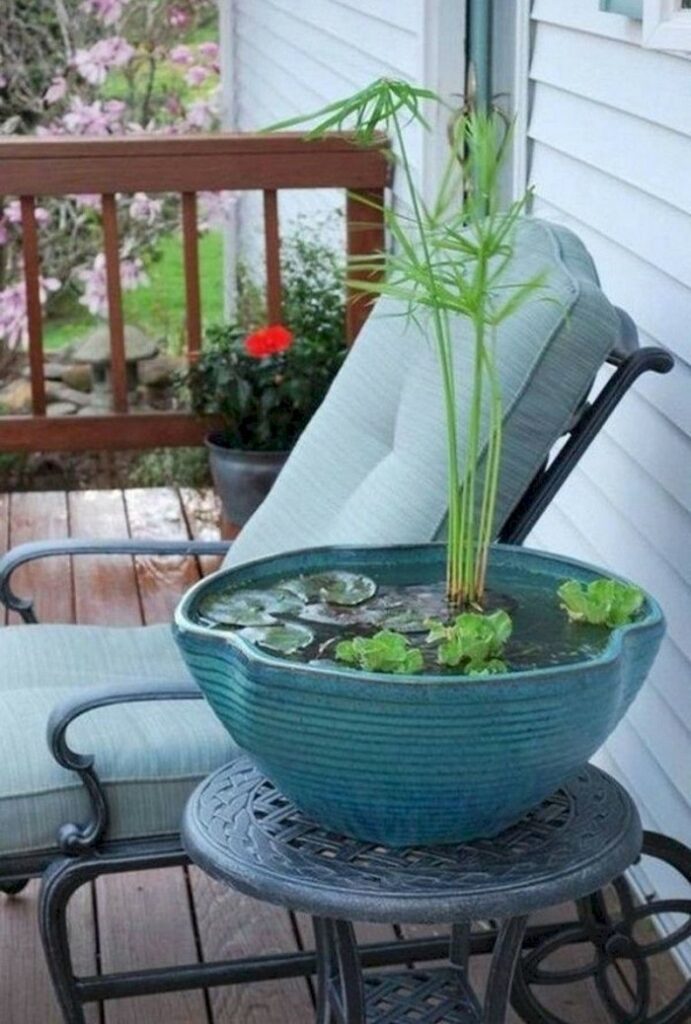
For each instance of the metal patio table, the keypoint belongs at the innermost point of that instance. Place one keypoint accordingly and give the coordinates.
(241, 830)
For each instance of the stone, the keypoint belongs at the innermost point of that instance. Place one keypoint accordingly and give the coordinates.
(53, 371)
(15, 397)
(95, 348)
(62, 393)
(77, 376)
(93, 410)
(160, 371)
(61, 409)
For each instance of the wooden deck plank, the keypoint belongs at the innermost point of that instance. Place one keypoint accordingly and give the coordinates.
(143, 917)
(157, 512)
(202, 510)
(144, 921)
(26, 994)
(40, 516)
(105, 587)
(232, 925)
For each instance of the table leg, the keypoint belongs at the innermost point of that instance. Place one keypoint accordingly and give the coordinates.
(340, 991)
(504, 959)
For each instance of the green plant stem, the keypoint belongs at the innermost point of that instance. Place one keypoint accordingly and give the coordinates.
(440, 321)
(491, 483)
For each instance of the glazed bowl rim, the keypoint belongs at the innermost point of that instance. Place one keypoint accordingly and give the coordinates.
(182, 624)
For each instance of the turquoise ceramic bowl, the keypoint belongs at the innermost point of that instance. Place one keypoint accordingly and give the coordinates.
(415, 759)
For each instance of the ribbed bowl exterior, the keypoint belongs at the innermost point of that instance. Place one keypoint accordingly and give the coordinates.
(422, 759)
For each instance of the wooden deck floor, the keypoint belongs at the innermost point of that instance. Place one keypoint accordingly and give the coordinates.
(157, 917)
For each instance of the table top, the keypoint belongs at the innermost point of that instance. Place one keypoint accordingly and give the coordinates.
(241, 830)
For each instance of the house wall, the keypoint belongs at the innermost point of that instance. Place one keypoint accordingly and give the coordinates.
(610, 156)
(290, 57)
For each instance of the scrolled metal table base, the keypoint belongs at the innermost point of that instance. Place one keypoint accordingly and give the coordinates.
(621, 939)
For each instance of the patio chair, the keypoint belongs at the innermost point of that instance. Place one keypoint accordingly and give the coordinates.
(369, 469)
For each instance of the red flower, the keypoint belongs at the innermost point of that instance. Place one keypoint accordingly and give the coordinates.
(267, 341)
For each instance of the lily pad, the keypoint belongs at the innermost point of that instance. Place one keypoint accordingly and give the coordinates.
(339, 616)
(405, 621)
(249, 607)
(283, 639)
(342, 588)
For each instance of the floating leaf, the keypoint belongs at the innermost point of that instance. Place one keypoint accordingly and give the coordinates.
(603, 602)
(384, 652)
(406, 621)
(339, 616)
(342, 588)
(249, 607)
(283, 639)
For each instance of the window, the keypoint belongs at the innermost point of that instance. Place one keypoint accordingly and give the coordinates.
(667, 24)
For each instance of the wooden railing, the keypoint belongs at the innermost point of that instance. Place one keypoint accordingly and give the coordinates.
(32, 168)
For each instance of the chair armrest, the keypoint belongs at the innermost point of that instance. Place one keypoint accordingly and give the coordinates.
(24, 553)
(75, 839)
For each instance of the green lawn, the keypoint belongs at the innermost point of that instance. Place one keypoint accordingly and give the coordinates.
(159, 308)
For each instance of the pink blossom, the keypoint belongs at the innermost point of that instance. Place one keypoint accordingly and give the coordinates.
(94, 118)
(197, 75)
(56, 90)
(177, 17)
(95, 281)
(107, 10)
(201, 114)
(181, 55)
(144, 208)
(13, 213)
(209, 50)
(132, 273)
(13, 316)
(93, 64)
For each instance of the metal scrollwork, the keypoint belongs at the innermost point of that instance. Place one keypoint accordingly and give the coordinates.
(73, 838)
(620, 936)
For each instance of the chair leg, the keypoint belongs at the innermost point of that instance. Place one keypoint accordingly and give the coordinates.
(60, 881)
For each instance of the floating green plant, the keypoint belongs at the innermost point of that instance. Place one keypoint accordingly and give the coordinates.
(472, 642)
(604, 602)
(386, 651)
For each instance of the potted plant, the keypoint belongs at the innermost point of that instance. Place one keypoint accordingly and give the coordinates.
(265, 381)
(433, 693)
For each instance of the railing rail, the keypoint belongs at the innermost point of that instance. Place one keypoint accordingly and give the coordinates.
(53, 167)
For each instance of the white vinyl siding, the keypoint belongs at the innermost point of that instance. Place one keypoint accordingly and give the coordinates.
(609, 152)
(295, 56)
(290, 57)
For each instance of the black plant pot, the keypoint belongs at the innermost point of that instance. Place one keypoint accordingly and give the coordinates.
(242, 478)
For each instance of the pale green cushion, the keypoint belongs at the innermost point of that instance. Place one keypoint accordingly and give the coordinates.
(371, 466)
(150, 756)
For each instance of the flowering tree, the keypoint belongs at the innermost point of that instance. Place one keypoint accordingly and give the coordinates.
(98, 67)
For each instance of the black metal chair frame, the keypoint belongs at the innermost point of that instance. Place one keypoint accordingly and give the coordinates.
(83, 850)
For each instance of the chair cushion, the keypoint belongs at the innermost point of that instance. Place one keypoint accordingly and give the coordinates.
(150, 756)
(371, 466)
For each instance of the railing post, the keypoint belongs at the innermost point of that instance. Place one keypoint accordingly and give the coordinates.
(193, 308)
(32, 284)
(118, 366)
(272, 245)
(365, 237)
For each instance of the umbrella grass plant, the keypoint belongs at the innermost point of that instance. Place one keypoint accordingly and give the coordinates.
(448, 256)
